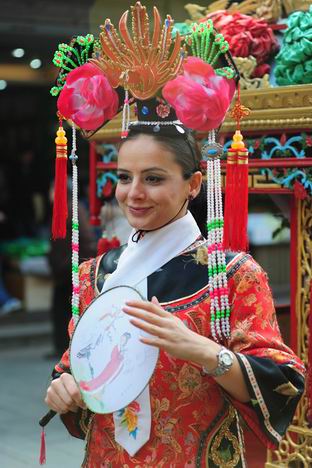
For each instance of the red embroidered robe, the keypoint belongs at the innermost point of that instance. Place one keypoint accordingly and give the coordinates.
(194, 422)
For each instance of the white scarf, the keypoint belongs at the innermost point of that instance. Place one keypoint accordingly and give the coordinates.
(138, 261)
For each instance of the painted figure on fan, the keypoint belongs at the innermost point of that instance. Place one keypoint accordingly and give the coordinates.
(111, 369)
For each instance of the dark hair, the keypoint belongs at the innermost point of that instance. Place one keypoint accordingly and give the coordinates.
(188, 156)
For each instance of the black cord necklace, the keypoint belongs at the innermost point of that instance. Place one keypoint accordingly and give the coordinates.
(140, 232)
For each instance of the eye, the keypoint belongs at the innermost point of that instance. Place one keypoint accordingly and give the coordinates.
(154, 180)
(123, 178)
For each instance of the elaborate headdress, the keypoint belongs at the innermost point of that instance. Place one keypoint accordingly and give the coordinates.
(176, 83)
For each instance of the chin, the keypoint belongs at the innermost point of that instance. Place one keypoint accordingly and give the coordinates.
(145, 225)
(140, 225)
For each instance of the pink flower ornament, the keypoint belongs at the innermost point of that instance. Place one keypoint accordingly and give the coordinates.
(87, 98)
(199, 96)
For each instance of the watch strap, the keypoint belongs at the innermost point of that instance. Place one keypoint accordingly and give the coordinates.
(221, 367)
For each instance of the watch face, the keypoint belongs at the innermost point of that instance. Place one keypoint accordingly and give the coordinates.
(227, 358)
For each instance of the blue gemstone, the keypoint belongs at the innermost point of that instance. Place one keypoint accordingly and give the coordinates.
(212, 151)
(156, 129)
(167, 23)
(145, 110)
(107, 26)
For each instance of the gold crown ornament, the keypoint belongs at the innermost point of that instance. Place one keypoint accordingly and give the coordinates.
(140, 62)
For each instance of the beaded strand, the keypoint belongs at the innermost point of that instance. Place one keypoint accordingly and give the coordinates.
(213, 299)
(75, 230)
(222, 278)
(217, 280)
(125, 116)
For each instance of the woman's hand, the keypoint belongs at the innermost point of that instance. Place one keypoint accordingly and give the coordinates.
(169, 332)
(172, 335)
(63, 395)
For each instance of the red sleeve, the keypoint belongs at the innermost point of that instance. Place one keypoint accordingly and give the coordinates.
(273, 373)
(77, 423)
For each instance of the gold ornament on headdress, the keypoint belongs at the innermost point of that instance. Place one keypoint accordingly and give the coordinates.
(139, 63)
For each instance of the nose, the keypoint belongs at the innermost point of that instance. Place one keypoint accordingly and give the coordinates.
(136, 190)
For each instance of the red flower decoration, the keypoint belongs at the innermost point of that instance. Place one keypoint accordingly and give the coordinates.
(246, 35)
(199, 96)
(261, 70)
(162, 110)
(87, 98)
(299, 191)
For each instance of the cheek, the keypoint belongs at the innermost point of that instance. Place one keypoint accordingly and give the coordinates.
(177, 192)
(120, 193)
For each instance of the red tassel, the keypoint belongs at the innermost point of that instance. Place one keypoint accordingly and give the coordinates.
(236, 197)
(42, 458)
(309, 376)
(60, 211)
(115, 242)
(241, 208)
(103, 245)
(236, 192)
(229, 197)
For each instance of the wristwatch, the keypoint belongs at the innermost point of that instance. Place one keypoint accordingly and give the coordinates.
(225, 359)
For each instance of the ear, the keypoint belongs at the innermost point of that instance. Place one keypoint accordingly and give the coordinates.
(195, 183)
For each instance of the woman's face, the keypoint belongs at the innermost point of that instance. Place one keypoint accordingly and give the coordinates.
(151, 190)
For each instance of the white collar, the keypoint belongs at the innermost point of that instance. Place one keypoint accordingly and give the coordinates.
(140, 259)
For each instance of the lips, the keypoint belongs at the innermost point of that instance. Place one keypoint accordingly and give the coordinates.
(139, 211)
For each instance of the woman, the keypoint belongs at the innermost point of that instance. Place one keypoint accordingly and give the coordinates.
(200, 390)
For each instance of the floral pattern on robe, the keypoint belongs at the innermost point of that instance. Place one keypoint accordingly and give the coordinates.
(195, 423)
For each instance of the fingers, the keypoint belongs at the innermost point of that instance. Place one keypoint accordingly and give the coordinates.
(155, 301)
(148, 328)
(149, 306)
(63, 395)
(57, 403)
(157, 342)
(143, 315)
(73, 390)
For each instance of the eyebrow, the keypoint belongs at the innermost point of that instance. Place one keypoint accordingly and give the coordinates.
(145, 170)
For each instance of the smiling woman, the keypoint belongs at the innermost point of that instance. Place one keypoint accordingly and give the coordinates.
(153, 189)
(209, 313)
(167, 263)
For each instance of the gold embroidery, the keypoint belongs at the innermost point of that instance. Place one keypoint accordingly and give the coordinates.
(196, 321)
(160, 406)
(201, 256)
(165, 429)
(84, 422)
(225, 458)
(189, 380)
(250, 299)
(88, 437)
(98, 263)
(287, 389)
